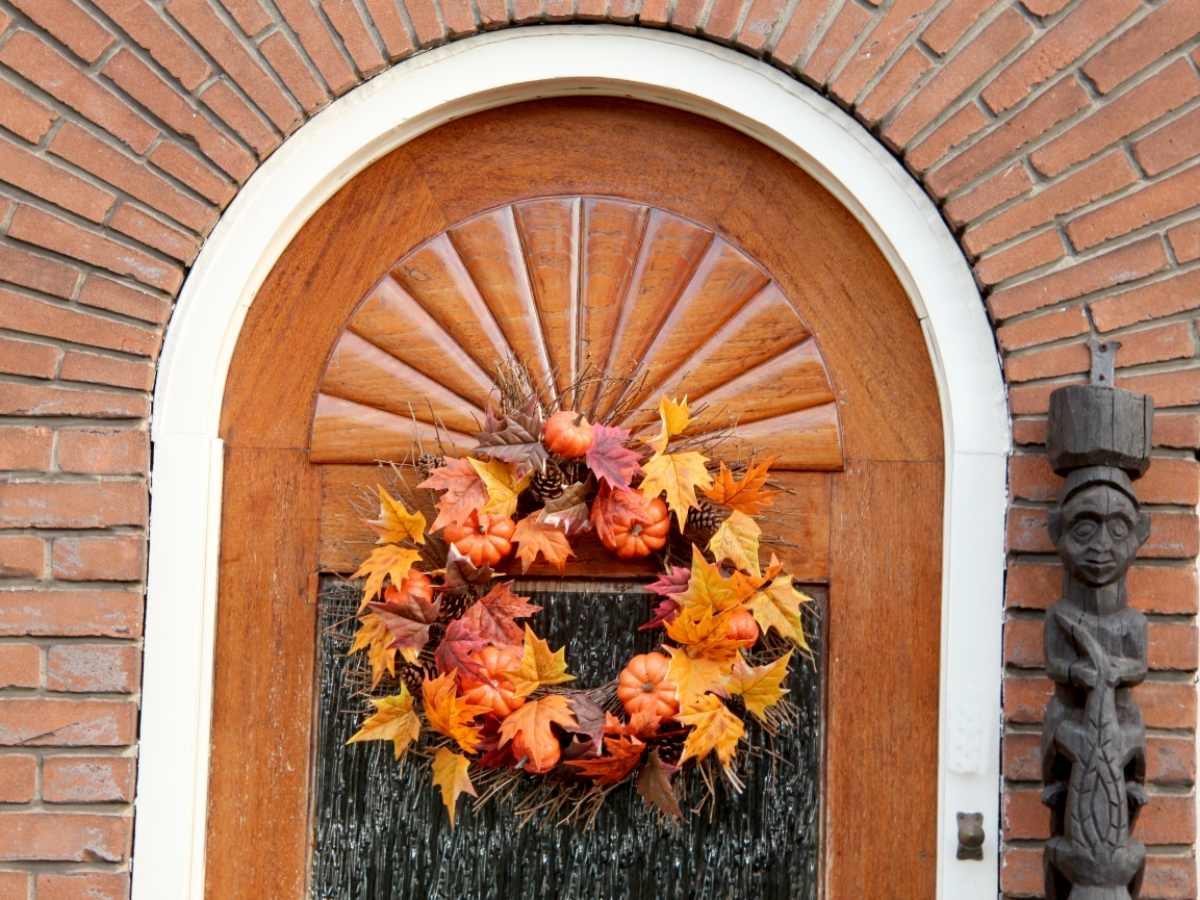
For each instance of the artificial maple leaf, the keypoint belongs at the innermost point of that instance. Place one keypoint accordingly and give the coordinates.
(677, 475)
(456, 652)
(640, 724)
(747, 585)
(624, 754)
(396, 523)
(695, 676)
(517, 439)
(747, 495)
(608, 457)
(493, 616)
(714, 729)
(387, 561)
(589, 729)
(534, 537)
(450, 774)
(760, 687)
(407, 618)
(778, 606)
(393, 720)
(703, 632)
(462, 492)
(654, 784)
(674, 416)
(569, 511)
(674, 581)
(502, 486)
(532, 722)
(539, 667)
(737, 541)
(461, 572)
(707, 588)
(373, 636)
(449, 714)
(613, 506)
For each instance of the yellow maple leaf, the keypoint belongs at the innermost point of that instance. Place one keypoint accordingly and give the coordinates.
(675, 417)
(393, 720)
(678, 475)
(373, 636)
(737, 541)
(778, 606)
(501, 484)
(539, 666)
(703, 633)
(449, 714)
(396, 523)
(695, 676)
(708, 589)
(390, 561)
(760, 687)
(714, 729)
(747, 495)
(450, 774)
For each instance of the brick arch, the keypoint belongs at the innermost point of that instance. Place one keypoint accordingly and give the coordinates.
(1058, 138)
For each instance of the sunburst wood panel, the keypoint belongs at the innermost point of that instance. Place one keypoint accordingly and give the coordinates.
(608, 305)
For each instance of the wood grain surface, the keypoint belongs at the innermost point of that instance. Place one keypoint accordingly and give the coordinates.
(313, 350)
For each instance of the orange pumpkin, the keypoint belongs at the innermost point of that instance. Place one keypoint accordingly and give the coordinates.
(540, 758)
(483, 539)
(568, 434)
(631, 538)
(494, 690)
(742, 628)
(415, 584)
(643, 687)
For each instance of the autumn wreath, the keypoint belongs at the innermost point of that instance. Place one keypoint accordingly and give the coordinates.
(458, 676)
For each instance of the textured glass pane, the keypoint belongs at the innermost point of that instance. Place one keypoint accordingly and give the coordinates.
(382, 832)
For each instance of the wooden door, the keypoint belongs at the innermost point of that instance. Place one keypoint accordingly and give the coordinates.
(573, 234)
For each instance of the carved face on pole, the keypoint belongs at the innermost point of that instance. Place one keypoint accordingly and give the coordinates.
(1099, 528)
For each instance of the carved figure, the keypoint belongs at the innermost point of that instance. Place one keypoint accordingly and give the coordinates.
(1093, 739)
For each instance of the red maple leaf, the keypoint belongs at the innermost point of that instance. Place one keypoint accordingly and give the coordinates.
(610, 459)
(492, 618)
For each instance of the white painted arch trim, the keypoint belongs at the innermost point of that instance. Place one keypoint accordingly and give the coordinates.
(493, 70)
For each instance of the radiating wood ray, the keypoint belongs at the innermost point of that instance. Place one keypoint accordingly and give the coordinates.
(570, 285)
(670, 252)
(437, 279)
(721, 285)
(360, 371)
(391, 320)
(612, 237)
(345, 431)
(490, 249)
(549, 231)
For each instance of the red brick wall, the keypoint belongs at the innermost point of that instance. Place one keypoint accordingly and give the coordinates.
(1061, 139)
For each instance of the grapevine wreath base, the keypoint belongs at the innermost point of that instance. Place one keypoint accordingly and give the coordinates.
(458, 674)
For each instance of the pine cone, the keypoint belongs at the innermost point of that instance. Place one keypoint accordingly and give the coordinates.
(411, 676)
(671, 748)
(427, 462)
(548, 484)
(454, 604)
(704, 520)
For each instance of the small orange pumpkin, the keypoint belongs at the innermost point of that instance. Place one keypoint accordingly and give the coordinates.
(631, 538)
(494, 690)
(643, 687)
(415, 584)
(540, 757)
(568, 434)
(483, 539)
(742, 628)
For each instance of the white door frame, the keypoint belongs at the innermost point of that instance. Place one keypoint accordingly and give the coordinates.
(493, 70)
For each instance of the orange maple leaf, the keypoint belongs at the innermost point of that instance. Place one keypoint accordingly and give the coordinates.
(531, 723)
(534, 537)
(714, 729)
(463, 492)
(624, 754)
(447, 713)
(373, 636)
(748, 495)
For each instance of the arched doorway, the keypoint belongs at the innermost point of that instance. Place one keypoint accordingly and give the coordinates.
(883, 511)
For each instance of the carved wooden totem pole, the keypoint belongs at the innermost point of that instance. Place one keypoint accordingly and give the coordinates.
(1093, 739)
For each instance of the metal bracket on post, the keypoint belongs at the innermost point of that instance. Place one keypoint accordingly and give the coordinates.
(1093, 739)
